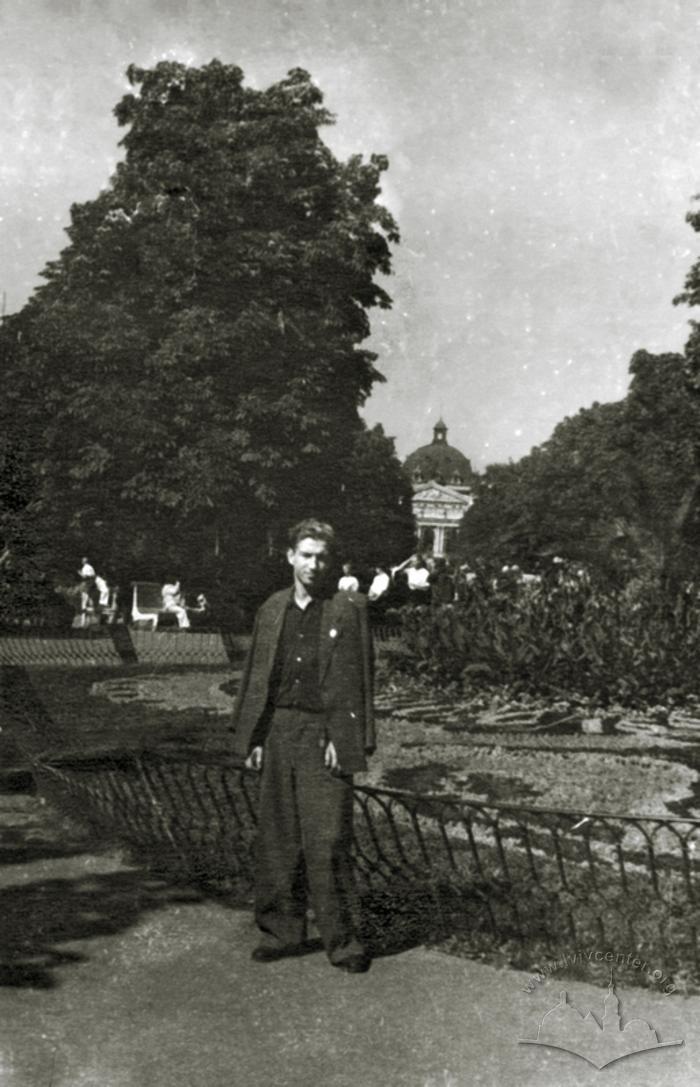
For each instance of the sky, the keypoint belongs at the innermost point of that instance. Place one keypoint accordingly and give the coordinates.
(543, 157)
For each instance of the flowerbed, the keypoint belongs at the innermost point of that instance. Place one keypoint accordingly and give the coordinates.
(411, 756)
(557, 637)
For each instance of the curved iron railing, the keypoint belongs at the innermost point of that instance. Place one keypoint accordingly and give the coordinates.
(528, 871)
(492, 872)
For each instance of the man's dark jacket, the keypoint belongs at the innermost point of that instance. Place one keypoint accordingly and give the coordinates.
(345, 677)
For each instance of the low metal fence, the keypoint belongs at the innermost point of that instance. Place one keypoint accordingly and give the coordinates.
(63, 650)
(490, 873)
(120, 644)
(498, 873)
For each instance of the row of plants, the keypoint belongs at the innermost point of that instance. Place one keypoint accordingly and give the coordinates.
(636, 645)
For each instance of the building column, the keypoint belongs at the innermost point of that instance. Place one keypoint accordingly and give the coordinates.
(439, 541)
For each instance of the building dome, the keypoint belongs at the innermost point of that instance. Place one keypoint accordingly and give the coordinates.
(440, 462)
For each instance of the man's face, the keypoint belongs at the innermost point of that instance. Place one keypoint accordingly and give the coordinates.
(310, 561)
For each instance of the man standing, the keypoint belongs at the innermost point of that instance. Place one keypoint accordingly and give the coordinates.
(377, 594)
(380, 584)
(442, 583)
(304, 719)
(87, 570)
(418, 576)
(88, 594)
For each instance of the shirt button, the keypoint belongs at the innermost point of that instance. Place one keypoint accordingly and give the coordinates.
(299, 659)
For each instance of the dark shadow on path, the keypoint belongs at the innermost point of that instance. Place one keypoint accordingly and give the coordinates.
(38, 918)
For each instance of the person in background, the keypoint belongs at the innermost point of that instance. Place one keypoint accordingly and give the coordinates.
(418, 577)
(398, 593)
(464, 578)
(173, 602)
(348, 582)
(201, 611)
(380, 584)
(87, 570)
(87, 594)
(102, 594)
(377, 594)
(115, 613)
(442, 583)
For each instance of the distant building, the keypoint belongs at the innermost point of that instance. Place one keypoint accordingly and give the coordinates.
(442, 490)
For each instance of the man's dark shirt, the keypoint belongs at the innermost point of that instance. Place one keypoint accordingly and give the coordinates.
(294, 683)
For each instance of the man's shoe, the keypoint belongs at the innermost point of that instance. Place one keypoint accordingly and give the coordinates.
(272, 954)
(354, 964)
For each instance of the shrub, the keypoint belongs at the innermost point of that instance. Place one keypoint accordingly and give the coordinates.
(634, 645)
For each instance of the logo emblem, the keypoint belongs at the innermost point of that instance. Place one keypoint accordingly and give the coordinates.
(600, 1042)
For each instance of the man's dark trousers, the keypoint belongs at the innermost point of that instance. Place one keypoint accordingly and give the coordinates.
(304, 838)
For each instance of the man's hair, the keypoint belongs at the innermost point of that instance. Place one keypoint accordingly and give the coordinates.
(312, 529)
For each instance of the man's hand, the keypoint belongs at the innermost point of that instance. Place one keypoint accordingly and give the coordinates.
(255, 759)
(330, 757)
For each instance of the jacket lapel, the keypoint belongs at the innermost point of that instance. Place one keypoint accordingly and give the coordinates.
(276, 624)
(330, 632)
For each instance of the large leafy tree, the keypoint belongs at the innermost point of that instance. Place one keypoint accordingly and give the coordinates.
(610, 488)
(551, 501)
(189, 375)
(378, 497)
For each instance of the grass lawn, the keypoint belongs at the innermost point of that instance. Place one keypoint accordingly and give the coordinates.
(134, 708)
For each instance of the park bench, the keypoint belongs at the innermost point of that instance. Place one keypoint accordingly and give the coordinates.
(147, 603)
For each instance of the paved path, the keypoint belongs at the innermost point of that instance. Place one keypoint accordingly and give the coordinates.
(119, 980)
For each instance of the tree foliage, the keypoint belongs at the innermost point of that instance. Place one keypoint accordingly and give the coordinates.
(610, 488)
(690, 295)
(189, 375)
(378, 499)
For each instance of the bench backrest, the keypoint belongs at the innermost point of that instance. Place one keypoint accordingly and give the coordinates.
(147, 596)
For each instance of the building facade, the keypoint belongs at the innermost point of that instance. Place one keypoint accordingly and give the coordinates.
(442, 478)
